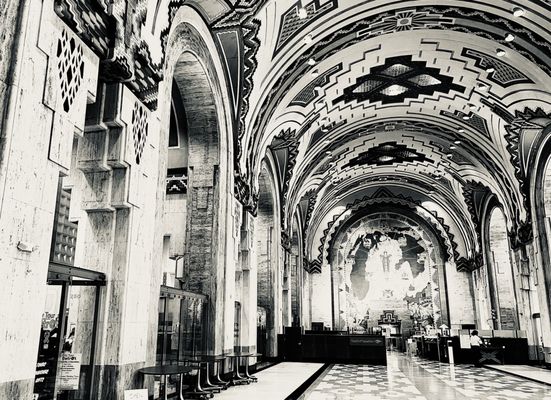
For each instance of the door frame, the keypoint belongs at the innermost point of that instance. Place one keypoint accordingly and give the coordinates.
(66, 276)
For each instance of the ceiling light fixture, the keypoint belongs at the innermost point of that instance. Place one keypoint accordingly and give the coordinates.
(452, 147)
(482, 87)
(518, 12)
(302, 13)
(461, 130)
(509, 37)
(449, 155)
(315, 73)
(309, 39)
(501, 52)
(490, 69)
(318, 88)
(311, 61)
(466, 117)
(457, 142)
(473, 106)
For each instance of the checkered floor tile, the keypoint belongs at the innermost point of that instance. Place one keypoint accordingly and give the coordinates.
(418, 379)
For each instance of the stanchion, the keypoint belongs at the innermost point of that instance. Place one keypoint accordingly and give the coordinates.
(450, 352)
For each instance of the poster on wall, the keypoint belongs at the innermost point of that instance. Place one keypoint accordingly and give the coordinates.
(46, 365)
(69, 371)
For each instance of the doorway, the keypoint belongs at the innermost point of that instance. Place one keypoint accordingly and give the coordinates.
(183, 325)
(66, 352)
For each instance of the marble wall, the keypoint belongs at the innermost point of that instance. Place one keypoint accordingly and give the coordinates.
(460, 296)
(37, 130)
(113, 151)
(321, 303)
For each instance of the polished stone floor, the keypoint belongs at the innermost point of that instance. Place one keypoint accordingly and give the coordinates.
(274, 383)
(417, 379)
(526, 371)
(404, 378)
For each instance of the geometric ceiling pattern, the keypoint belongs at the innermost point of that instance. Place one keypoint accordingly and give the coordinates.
(387, 154)
(292, 23)
(430, 102)
(499, 71)
(309, 93)
(399, 78)
(437, 106)
(471, 119)
(413, 99)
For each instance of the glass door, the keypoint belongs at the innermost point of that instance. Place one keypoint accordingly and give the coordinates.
(182, 322)
(261, 331)
(65, 360)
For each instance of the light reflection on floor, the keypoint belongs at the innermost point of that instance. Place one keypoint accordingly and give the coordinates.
(418, 379)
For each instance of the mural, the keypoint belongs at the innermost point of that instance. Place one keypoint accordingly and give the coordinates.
(385, 264)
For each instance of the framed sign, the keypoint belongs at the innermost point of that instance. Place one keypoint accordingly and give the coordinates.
(137, 394)
(69, 371)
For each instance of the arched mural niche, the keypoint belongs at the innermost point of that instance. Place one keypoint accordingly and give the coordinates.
(388, 260)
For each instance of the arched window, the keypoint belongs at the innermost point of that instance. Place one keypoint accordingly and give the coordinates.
(177, 164)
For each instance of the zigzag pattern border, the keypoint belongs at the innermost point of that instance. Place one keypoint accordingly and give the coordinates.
(301, 61)
(327, 237)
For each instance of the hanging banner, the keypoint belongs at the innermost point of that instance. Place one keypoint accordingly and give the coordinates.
(69, 371)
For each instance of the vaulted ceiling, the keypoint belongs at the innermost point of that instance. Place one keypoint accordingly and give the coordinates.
(418, 98)
(433, 106)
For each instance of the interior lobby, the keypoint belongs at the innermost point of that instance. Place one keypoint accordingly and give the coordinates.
(275, 199)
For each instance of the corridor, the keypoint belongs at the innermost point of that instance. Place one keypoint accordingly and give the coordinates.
(303, 182)
(416, 379)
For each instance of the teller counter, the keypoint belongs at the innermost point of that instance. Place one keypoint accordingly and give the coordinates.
(498, 350)
(331, 347)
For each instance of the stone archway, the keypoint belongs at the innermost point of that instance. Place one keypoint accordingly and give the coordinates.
(268, 261)
(500, 271)
(194, 79)
(296, 272)
(541, 197)
(540, 187)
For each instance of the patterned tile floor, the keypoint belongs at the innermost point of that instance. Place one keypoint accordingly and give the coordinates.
(418, 379)
(535, 373)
